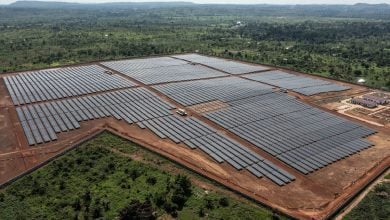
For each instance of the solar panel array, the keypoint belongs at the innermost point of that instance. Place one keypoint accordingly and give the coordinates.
(54, 84)
(224, 89)
(42, 121)
(300, 84)
(162, 74)
(125, 66)
(303, 137)
(196, 134)
(232, 67)
(320, 89)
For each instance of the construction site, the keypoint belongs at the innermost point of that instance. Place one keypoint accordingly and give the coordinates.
(303, 145)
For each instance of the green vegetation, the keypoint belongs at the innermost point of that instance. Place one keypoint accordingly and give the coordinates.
(376, 204)
(99, 179)
(341, 42)
(387, 176)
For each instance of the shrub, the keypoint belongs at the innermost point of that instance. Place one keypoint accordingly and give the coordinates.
(86, 197)
(183, 183)
(96, 209)
(77, 204)
(170, 207)
(275, 216)
(38, 189)
(134, 174)
(151, 180)
(201, 212)
(159, 199)
(137, 210)
(224, 202)
(209, 203)
(62, 185)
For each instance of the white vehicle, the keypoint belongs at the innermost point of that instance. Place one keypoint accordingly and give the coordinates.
(283, 90)
(181, 112)
(108, 72)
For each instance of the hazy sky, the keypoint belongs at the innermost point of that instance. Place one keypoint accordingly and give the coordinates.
(231, 1)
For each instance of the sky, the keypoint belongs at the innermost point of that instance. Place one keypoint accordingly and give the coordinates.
(290, 2)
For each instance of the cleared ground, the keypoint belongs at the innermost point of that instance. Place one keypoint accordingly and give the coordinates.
(316, 195)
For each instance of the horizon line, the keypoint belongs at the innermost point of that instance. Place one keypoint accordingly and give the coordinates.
(108, 2)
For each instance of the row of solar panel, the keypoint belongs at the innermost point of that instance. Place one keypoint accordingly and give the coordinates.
(274, 146)
(224, 83)
(224, 89)
(198, 58)
(196, 134)
(244, 114)
(268, 143)
(320, 89)
(300, 84)
(126, 66)
(178, 130)
(47, 85)
(231, 67)
(318, 154)
(282, 126)
(304, 114)
(265, 99)
(286, 80)
(166, 73)
(132, 105)
(224, 149)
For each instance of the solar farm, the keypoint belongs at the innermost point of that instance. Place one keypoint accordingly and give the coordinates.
(255, 129)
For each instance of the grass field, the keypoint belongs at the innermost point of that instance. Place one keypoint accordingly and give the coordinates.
(107, 175)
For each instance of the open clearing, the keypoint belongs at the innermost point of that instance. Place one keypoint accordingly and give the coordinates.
(289, 151)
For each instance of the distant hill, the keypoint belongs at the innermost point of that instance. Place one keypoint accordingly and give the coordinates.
(48, 5)
(59, 4)
(361, 10)
(41, 4)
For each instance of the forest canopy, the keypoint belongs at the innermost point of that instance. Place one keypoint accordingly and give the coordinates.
(341, 42)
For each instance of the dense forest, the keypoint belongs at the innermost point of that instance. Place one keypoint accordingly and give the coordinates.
(342, 42)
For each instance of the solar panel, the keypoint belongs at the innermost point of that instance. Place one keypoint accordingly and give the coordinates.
(198, 135)
(47, 85)
(303, 137)
(304, 85)
(224, 89)
(28, 133)
(152, 73)
(228, 66)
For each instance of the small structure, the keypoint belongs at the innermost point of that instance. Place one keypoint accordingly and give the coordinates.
(181, 112)
(363, 102)
(361, 81)
(283, 90)
(108, 72)
(376, 99)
